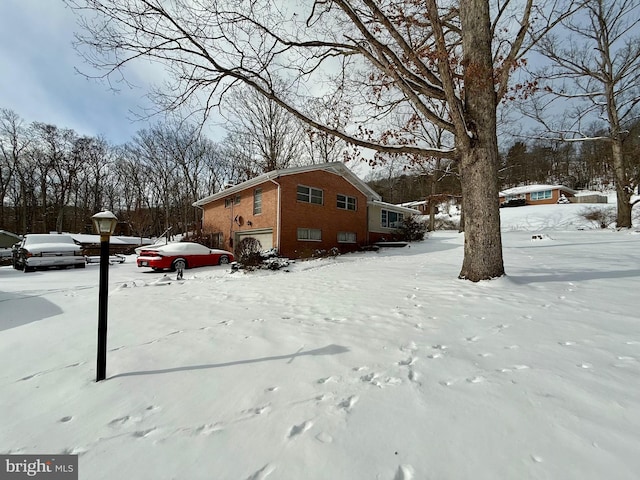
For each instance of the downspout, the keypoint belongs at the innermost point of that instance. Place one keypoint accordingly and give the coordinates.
(277, 215)
(201, 217)
(232, 239)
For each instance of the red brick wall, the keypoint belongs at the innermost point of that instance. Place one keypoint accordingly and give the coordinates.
(327, 217)
(555, 196)
(217, 218)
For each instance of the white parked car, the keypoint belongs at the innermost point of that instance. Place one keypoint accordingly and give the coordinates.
(47, 250)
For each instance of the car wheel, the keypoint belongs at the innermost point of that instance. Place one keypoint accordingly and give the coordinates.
(80, 265)
(26, 268)
(223, 260)
(180, 264)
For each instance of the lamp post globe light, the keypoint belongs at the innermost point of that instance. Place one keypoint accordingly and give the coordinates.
(104, 223)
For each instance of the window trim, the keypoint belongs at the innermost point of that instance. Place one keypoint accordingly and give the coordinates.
(346, 240)
(386, 223)
(542, 195)
(346, 202)
(308, 230)
(257, 201)
(309, 194)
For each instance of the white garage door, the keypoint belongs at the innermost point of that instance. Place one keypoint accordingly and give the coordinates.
(265, 237)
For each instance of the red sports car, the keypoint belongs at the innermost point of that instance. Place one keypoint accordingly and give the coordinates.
(182, 255)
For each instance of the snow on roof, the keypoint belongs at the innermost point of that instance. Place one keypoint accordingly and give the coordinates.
(10, 234)
(335, 167)
(396, 208)
(535, 188)
(114, 240)
(415, 203)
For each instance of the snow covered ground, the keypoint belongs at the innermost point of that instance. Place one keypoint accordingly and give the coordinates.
(367, 366)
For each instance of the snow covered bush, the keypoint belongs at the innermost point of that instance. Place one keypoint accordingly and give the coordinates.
(602, 217)
(332, 252)
(412, 230)
(252, 258)
(248, 252)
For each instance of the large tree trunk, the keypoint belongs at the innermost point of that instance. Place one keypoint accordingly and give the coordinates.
(623, 187)
(479, 149)
(482, 238)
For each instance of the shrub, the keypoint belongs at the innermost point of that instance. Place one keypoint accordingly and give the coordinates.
(251, 257)
(601, 217)
(333, 252)
(248, 252)
(412, 230)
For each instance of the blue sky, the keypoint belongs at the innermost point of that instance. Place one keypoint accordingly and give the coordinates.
(38, 78)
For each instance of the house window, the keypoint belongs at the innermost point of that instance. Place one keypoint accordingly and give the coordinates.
(257, 201)
(231, 201)
(346, 237)
(391, 219)
(346, 203)
(541, 195)
(310, 234)
(310, 195)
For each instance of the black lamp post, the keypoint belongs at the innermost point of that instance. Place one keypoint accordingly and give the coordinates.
(104, 223)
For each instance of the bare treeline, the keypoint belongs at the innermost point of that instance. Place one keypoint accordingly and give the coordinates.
(53, 179)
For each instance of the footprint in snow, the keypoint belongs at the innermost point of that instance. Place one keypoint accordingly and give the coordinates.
(409, 361)
(299, 429)
(144, 433)
(324, 437)
(322, 381)
(410, 347)
(477, 379)
(263, 473)
(118, 422)
(348, 403)
(404, 472)
(73, 451)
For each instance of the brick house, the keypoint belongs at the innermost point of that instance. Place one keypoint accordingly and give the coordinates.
(300, 210)
(535, 194)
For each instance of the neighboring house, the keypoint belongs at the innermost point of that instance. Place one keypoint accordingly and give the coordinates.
(535, 194)
(300, 210)
(442, 200)
(421, 205)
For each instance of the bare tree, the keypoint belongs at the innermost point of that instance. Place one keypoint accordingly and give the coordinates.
(320, 146)
(381, 57)
(593, 77)
(270, 136)
(13, 141)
